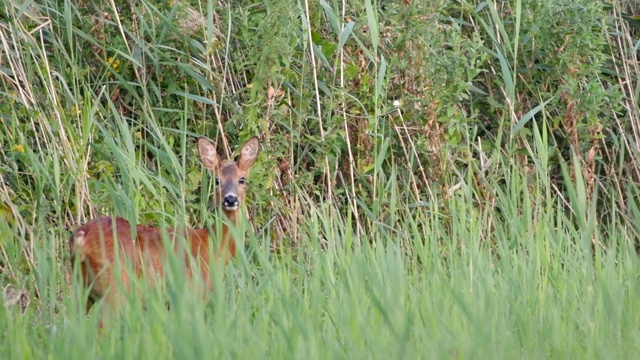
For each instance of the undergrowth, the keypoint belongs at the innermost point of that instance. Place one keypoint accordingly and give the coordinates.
(437, 179)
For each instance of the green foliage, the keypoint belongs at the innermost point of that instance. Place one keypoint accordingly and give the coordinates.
(436, 179)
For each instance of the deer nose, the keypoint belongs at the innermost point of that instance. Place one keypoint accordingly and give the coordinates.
(230, 202)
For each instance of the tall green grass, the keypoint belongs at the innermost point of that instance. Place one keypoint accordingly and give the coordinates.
(410, 290)
(467, 220)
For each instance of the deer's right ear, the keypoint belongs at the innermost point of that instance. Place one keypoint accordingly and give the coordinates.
(208, 155)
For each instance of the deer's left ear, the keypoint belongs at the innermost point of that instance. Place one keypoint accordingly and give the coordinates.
(249, 153)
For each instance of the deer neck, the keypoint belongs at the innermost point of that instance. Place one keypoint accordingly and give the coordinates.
(228, 240)
(231, 217)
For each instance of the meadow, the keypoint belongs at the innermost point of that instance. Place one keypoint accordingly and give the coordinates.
(436, 179)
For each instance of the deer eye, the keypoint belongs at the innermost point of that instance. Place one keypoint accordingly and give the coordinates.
(242, 180)
(217, 181)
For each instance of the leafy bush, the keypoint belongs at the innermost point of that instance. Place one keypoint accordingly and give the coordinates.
(403, 144)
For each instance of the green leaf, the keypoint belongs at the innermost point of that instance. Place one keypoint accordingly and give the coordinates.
(528, 116)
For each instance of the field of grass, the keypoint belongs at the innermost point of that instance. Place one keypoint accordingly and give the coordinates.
(436, 179)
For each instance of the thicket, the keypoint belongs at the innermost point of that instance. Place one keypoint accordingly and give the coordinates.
(449, 102)
(449, 92)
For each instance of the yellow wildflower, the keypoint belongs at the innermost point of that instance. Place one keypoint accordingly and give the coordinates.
(76, 109)
(114, 63)
(18, 148)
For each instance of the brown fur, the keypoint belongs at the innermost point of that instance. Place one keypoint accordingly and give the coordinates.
(143, 254)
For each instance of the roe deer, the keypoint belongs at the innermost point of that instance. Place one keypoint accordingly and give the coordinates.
(94, 243)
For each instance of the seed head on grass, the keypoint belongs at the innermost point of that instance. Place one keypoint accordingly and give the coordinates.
(13, 297)
(191, 22)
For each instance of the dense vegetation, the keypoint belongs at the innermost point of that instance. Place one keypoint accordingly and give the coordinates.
(437, 179)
